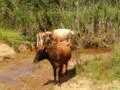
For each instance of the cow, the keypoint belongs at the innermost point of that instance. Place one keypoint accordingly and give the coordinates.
(58, 55)
(57, 35)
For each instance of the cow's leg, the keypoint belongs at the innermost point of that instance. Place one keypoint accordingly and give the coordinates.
(54, 68)
(66, 71)
(60, 73)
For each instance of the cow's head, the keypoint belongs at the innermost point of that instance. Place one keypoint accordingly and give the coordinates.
(40, 55)
(42, 39)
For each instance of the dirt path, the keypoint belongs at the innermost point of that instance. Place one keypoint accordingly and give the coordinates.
(21, 74)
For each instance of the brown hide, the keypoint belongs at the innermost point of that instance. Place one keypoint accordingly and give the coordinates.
(58, 55)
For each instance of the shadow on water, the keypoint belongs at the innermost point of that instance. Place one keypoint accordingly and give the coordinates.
(65, 78)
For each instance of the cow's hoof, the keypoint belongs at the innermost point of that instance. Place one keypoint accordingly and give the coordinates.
(59, 84)
(55, 82)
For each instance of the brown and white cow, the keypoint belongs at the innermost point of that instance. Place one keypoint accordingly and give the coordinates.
(57, 35)
(58, 55)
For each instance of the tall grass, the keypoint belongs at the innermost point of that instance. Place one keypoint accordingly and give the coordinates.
(98, 23)
(88, 16)
(11, 36)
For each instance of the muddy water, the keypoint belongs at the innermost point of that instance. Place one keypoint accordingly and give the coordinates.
(10, 75)
(83, 55)
(93, 50)
(23, 73)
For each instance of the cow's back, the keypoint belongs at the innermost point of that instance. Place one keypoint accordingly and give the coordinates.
(61, 34)
(60, 53)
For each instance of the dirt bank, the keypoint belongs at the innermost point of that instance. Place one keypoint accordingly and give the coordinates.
(6, 51)
(21, 74)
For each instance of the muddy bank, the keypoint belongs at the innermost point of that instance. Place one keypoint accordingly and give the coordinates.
(93, 50)
(20, 72)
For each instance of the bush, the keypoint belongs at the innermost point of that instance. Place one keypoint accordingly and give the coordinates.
(89, 16)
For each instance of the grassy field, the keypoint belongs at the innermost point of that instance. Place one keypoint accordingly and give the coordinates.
(101, 69)
(11, 37)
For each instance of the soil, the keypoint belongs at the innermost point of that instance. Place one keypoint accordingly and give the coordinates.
(21, 73)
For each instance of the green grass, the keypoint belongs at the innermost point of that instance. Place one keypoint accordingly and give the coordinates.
(115, 88)
(116, 55)
(102, 71)
(10, 36)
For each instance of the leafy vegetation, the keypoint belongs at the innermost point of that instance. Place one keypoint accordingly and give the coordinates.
(11, 36)
(96, 21)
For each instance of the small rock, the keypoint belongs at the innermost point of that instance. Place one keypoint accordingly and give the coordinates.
(6, 51)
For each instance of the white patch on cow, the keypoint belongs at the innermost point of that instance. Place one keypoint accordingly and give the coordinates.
(40, 41)
(37, 40)
(62, 33)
